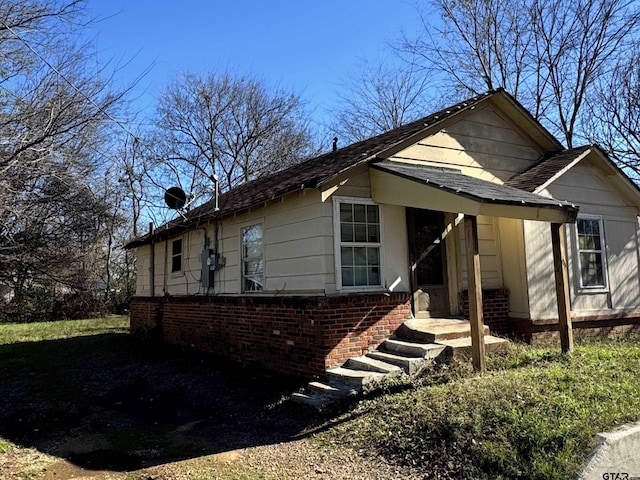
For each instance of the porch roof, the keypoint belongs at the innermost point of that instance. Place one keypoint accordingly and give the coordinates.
(449, 190)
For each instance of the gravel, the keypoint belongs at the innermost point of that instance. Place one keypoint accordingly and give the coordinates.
(300, 459)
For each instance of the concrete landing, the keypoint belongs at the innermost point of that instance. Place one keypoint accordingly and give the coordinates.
(436, 329)
(462, 346)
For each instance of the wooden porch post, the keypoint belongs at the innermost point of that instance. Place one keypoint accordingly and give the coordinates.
(475, 292)
(559, 244)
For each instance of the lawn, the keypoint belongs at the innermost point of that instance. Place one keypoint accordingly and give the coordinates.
(533, 415)
(84, 398)
(39, 331)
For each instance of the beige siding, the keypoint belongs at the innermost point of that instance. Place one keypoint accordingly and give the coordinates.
(298, 235)
(489, 248)
(395, 253)
(622, 249)
(143, 276)
(395, 266)
(327, 246)
(293, 246)
(227, 278)
(511, 234)
(357, 184)
(586, 186)
(187, 281)
(539, 270)
(294, 251)
(481, 144)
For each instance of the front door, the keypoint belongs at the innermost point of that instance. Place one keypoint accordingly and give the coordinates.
(428, 262)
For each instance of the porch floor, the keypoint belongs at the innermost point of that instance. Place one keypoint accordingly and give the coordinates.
(437, 329)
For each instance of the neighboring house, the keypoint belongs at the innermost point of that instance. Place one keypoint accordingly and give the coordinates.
(311, 265)
(6, 293)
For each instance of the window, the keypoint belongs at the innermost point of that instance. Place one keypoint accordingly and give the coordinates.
(176, 256)
(252, 262)
(591, 255)
(359, 244)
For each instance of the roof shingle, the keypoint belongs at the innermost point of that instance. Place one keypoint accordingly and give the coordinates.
(543, 171)
(308, 174)
(484, 191)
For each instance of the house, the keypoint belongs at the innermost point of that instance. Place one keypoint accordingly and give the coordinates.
(314, 264)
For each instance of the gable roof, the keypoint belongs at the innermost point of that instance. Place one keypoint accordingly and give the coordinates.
(311, 173)
(547, 169)
(315, 172)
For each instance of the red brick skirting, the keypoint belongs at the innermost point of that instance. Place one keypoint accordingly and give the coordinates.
(583, 327)
(293, 335)
(495, 306)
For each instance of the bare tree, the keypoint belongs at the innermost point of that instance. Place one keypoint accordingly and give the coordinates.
(55, 115)
(615, 114)
(548, 53)
(228, 125)
(114, 267)
(379, 97)
(478, 44)
(131, 170)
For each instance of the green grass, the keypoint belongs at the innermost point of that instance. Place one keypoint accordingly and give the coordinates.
(533, 415)
(39, 331)
(5, 446)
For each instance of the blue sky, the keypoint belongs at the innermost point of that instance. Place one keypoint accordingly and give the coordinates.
(301, 45)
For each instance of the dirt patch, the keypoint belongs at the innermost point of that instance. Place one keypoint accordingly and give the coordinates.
(65, 470)
(105, 406)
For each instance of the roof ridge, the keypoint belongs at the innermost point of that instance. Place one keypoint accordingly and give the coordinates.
(312, 172)
(445, 112)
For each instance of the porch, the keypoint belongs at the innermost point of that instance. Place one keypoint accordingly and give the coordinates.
(453, 202)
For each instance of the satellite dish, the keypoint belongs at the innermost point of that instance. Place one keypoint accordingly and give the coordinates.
(175, 198)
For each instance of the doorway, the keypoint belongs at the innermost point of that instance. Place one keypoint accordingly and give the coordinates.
(428, 262)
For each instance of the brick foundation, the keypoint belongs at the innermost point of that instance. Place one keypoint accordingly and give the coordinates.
(583, 327)
(293, 335)
(495, 304)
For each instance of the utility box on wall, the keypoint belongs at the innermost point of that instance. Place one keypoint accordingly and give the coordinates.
(209, 263)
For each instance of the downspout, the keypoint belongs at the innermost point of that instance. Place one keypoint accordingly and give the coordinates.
(216, 253)
(152, 267)
(408, 212)
(164, 268)
(216, 211)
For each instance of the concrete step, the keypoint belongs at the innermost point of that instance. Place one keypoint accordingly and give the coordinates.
(373, 365)
(411, 348)
(432, 330)
(353, 378)
(331, 391)
(410, 365)
(461, 347)
(312, 399)
(419, 342)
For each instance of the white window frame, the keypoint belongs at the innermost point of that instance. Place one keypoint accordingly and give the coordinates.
(337, 244)
(243, 259)
(603, 252)
(181, 254)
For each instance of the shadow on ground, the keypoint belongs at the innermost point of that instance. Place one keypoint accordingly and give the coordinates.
(110, 402)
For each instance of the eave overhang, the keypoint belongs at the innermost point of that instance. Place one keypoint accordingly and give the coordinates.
(449, 190)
